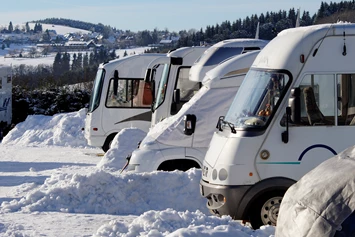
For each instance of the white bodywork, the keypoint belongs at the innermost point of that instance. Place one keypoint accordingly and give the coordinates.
(102, 120)
(319, 56)
(221, 51)
(5, 94)
(166, 141)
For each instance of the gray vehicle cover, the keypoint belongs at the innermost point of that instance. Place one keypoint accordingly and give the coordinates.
(320, 201)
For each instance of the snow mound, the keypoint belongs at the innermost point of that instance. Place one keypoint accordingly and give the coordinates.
(173, 223)
(123, 144)
(63, 129)
(101, 192)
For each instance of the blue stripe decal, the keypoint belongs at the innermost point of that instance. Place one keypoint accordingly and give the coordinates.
(316, 146)
(280, 163)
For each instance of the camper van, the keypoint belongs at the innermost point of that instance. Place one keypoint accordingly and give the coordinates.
(120, 98)
(221, 51)
(294, 110)
(181, 141)
(5, 99)
(173, 87)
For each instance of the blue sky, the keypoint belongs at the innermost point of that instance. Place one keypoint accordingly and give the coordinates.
(138, 15)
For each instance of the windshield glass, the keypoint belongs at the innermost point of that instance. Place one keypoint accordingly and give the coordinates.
(162, 87)
(257, 99)
(215, 55)
(96, 90)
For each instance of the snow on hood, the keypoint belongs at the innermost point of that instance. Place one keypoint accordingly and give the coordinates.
(63, 129)
(101, 192)
(170, 131)
(123, 144)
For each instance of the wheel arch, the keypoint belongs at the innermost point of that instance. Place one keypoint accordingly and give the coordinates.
(260, 188)
(108, 140)
(175, 163)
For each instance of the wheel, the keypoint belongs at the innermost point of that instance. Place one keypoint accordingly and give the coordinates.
(265, 209)
(108, 142)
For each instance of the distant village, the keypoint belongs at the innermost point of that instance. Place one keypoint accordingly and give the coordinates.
(44, 42)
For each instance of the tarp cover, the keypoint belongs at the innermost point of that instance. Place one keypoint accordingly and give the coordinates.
(320, 201)
(207, 105)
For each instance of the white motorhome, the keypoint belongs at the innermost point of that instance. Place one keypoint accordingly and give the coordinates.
(294, 110)
(181, 141)
(221, 51)
(5, 98)
(120, 98)
(173, 86)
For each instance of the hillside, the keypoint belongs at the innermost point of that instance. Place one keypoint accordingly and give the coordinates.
(58, 28)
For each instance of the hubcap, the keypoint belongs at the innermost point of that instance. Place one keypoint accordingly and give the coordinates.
(270, 211)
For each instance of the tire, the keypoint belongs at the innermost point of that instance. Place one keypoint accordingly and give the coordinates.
(265, 210)
(108, 142)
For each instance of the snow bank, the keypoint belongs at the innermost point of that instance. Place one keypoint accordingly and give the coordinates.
(123, 144)
(63, 129)
(173, 223)
(102, 192)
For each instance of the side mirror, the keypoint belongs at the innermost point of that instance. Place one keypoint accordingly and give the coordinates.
(115, 83)
(295, 104)
(190, 124)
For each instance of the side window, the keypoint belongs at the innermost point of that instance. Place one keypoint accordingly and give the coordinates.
(142, 96)
(187, 88)
(0, 82)
(8, 78)
(129, 94)
(346, 99)
(318, 100)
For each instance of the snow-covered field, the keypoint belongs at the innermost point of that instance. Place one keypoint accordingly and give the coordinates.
(53, 184)
(49, 59)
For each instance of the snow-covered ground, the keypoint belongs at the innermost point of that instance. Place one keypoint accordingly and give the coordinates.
(49, 59)
(53, 184)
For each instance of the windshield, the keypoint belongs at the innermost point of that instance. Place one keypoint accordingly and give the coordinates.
(215, 55)
(162, 87)
(257, 99)
(96, 90)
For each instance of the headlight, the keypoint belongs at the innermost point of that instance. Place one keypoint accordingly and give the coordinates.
(223, 174)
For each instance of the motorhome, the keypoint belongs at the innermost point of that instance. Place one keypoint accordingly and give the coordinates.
(294, 110)
(181, 141)
(120, 98)
(5, 98)
(173, 85)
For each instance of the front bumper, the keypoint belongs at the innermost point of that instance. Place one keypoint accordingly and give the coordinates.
(224, 200)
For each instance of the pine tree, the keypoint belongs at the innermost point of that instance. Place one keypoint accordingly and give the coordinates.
(86, 60)
(57, 64)
(11, 27)
(27, 27)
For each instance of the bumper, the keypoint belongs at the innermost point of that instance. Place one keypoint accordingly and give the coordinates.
(224, 200)
(97, 141)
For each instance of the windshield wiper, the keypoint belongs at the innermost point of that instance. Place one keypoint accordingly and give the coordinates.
(222, 121)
